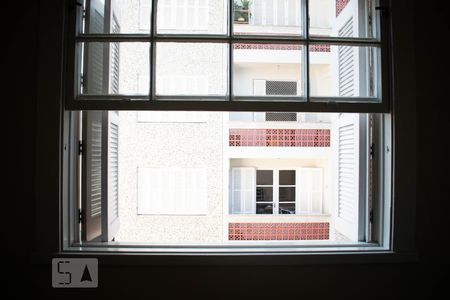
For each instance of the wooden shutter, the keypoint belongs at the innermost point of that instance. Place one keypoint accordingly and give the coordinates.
(92, 192)
(309, 190)
(115, 58)
(100, 201)
(243, 191)
(110, 219)
(172, 191)
(96, 60)
(348, 193)
(346, 59)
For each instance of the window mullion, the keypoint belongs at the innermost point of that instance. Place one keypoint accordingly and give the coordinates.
(230, 50)
(306, 84)
(276, 191)
(153, 31)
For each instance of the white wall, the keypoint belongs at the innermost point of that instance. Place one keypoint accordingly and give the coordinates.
(181, 145)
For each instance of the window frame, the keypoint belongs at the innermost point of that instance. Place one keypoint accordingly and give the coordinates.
(54, 119)
(76, 101)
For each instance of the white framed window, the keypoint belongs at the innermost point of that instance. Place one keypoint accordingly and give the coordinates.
(275, 12)
(172, 191)
(144, 15)
(183, 14)
(276, 191)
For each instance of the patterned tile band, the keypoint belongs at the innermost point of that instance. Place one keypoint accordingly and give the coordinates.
(340, 5)
(278, 231)
(279, 137)
(312, 48)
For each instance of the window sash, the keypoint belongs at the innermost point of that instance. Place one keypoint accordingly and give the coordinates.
(380, 103)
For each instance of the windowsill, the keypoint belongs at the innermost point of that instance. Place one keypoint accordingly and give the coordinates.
(233, 257)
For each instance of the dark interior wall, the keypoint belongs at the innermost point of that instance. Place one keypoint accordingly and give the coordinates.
(28, 77)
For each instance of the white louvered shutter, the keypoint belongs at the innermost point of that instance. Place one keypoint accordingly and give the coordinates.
(92, 161)
(309, 190)
(259, 87)
(172, 191)
(243, 191)
(348, 194)
(115, 59)
(96, 67)
(346, 59)
(111, 220)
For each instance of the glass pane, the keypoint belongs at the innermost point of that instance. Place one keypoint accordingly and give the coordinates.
(264, 177)
(191, 69)
(287, 177)
(343, 71)
(192, 16)
(267, 69)
(264, 208)
(267, 17)
(126, 16)
(286, 208)
(340, 18)
(264, 194)
(287, 194)
(116, 68)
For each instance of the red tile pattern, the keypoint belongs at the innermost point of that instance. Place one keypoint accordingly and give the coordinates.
(313, 48)
(239, 137)
(278, 231)
(340, 5)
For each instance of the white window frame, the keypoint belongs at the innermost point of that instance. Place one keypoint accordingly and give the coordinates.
(230, 102)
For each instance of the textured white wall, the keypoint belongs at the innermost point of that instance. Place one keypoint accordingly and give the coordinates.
(156, 145)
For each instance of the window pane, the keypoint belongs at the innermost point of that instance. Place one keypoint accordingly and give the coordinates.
(264, 208)
(192, 16)
(287, 177)
(287, 194)
(343, 71)
(264, 194)
(267, 17)
(286, 208)
(264, 177)
(116, 68)
(267, 69)
(125, 16)
(191, 69)
(340, 18)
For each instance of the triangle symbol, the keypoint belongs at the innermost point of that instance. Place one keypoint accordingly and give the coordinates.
(86, 275)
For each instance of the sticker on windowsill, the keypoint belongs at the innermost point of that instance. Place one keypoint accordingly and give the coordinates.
(74, 272)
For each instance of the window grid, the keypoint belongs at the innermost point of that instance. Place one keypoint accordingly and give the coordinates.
(303, 103)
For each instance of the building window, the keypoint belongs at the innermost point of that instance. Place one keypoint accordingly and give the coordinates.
(278, 191)
(183, 15)
(172, 191)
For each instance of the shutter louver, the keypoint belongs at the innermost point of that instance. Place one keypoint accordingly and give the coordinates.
(111, 221)
(348, 194)
(346, 63)
(92, 175)
(309, 185)
(115, 59)
(243, 191)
